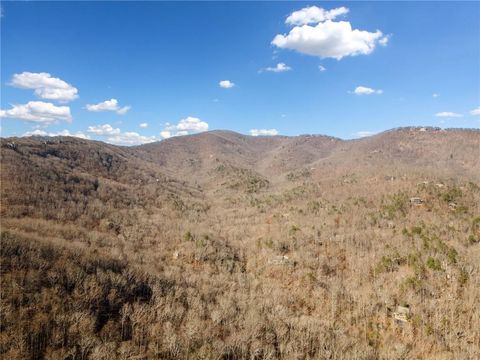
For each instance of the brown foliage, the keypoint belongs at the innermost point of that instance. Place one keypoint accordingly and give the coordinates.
(220, 246)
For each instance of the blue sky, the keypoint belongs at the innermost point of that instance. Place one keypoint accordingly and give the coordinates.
(385, 65)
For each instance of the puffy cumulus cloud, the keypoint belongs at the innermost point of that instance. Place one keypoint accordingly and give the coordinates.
(281, 67)
(328, 38)
(108, 105)
(226, 84)
(45, 86)
(314, 14)
(143, 125)
(117, 137)
(448, 114)
(65, 132)
(263, 132)
(38, 112)
(189, 125)
(192, 124)
(105, 129)
(364, 133)
(363, 90)
(475, 112)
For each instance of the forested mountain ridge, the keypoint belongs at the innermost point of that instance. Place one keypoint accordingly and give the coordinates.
(221, 245)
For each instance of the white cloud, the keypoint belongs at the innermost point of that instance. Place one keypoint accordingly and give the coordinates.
(189, 125)
(38, 112)
(65, 132)
(361, 134)
(475, 112)
(108, 105)
(143, 125)
(105, 129)
(263, 132)
(78, 134)
(123, 110)
(448, 114)
(192, 124)
(315, 15)
(281, 67)
(226, 84)
(327, 39)
(363, 90)
(117, 137)
(45, 86)
(435, 95)
(322, 68)
(384, 40)
(165, 134)
(130, 138)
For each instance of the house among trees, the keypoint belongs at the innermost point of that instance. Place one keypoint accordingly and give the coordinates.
(416, 201)
(402, 313)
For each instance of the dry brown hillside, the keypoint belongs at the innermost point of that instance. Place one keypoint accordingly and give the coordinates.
(225, 246)
(449, 151)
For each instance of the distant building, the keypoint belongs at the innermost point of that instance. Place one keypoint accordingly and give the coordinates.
(416, 201)
(402, 313)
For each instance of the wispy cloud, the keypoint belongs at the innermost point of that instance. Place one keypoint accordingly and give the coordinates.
(475, 112)
(280, 67)
(448, 114)
(263, 132)
(364, 133)
(384, 40)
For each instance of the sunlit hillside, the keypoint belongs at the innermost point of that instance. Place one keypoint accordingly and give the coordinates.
(221, 245)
